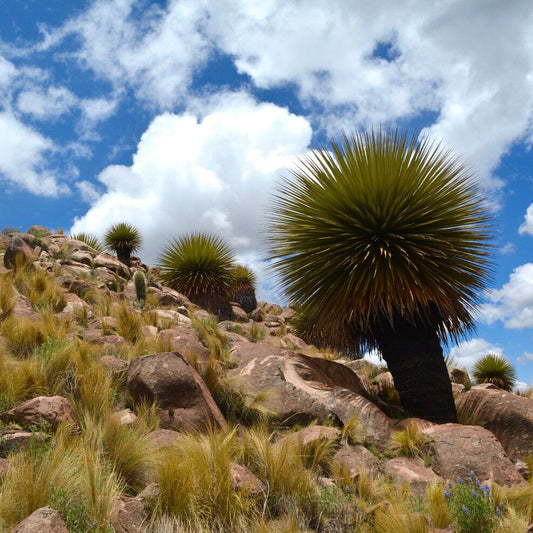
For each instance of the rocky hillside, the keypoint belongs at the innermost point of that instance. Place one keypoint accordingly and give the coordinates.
(129, 414)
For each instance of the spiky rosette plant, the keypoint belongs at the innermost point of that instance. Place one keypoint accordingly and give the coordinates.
(90, 239)
(244, 281)
(200, 266)
(123, 239)
(384, 240)
(495, 369)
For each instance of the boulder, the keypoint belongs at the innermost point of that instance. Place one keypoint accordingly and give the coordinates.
(114, 364)
(183, 338)
(302, 389)
(458, 374)
(314, 433)
(507, 415)
(456, 450)
(356, 459)
(183, 399)
(43, 409)
(43, 520)
(162, 438)
(405, 470)
(111, 263)
(15, 439)
(244, 479)
(168, 297)
(125, 417)
(239, 314)
(24, 309)
(19, 250)
(128, 515)
(39, 230)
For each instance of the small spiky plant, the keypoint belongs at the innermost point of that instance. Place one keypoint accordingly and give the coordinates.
(244, 281)
(90, 239)
(495, 369)
(123, 239)
(200, 266)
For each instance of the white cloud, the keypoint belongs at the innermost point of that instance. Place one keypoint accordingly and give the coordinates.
(154, 50)
(508, 248)
(46, 104)
(98, 109)
(467, 353)
(527, 225)
(513, 303)
(23, 158)
(526, 357)
(211, 171)
(445, 58)
(88, 191)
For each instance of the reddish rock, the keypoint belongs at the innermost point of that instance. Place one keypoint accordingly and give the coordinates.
(104, 340)
(239, 314)
(15, 439)
(245, 480)
(162, 438)
(43, 520)
(405, 470)
(19, 250)
(114, 364)
(50, 409)
(302, 388)
(182, 338)
(183, 399)
(356, 459)
(456, 450)
(24, 309)
(459, 375)
(128, 515)
(111, 263)
(314, 433)
(507, 415)
(168, 297)
(126, 417)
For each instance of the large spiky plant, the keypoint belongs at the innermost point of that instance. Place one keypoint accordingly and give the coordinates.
(200, 266)
(383, 241)
(244, 281)
(123, 239)
(495, 369)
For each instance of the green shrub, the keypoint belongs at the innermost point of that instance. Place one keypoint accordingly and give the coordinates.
(200, 266)
(495, 369)
(244, 281)
(123, 239)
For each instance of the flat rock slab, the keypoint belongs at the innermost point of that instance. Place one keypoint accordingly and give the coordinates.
(302, 389)
(456, 450)
(507, 415)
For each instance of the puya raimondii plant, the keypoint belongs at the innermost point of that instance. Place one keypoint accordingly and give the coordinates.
(472, 508)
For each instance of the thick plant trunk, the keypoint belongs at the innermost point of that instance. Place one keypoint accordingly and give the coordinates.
(414, 358)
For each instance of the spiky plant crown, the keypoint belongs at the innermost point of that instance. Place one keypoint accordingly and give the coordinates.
(244, 278)
(381, 226)
(495, 369)
(90, 239)
(199, 265)
(123, 237)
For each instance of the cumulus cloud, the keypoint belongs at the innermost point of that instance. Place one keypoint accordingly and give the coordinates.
(23, 158)
(207, 172)
(353, 66)
(527, 225)
(47, 103)
(467, 353)
(385, 61)
(154, 51)
(513, 303)
(526, 357)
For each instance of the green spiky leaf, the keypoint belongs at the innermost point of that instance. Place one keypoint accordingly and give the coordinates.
(381, 225)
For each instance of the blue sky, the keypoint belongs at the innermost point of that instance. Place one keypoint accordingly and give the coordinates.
(183, 115)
